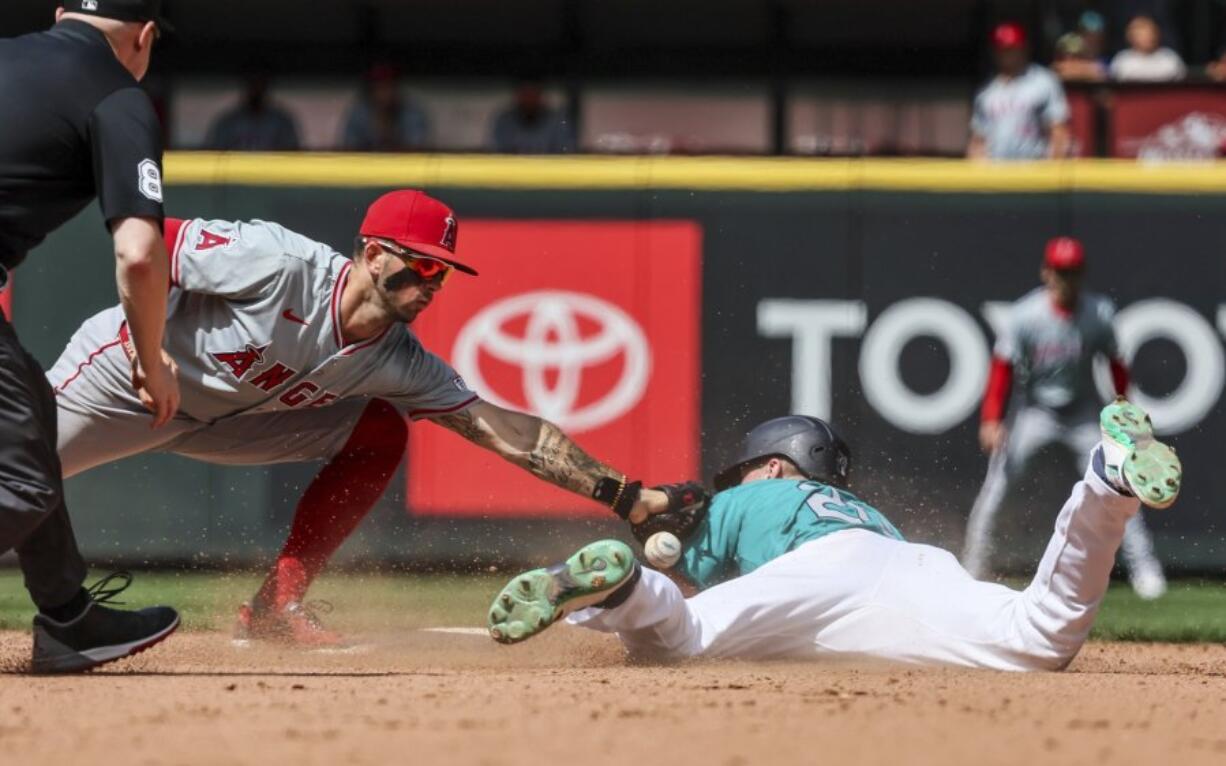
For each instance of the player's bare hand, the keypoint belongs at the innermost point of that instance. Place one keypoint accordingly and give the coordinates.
(158, 388)
(991, 436)
(651, 501)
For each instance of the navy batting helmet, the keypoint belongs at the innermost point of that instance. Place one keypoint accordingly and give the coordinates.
(810, 443)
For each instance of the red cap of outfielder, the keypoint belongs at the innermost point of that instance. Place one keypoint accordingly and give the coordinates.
(417, 221)
(1064, 254)
(1008, 35)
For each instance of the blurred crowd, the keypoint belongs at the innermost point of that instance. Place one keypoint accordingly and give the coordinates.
(1081, 55)
(1022, 111)
(384, 119)
(1146, 47)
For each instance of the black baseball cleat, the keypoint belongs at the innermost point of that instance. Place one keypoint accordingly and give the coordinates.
(99, 634)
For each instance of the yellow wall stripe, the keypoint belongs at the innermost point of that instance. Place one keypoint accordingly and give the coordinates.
(698, 173)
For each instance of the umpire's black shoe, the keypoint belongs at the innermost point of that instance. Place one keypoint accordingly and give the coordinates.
(99, 634)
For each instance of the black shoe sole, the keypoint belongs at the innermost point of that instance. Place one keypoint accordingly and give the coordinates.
(70, 661)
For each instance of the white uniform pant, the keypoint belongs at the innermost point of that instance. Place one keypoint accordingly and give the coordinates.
(859, 594)
(1030, 430)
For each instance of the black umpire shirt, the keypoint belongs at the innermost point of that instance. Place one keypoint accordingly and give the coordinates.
(75, 125)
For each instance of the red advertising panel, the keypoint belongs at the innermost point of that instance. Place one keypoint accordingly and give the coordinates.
(1082, 122)
(1168, 123)
(593, 325)
(6, 299)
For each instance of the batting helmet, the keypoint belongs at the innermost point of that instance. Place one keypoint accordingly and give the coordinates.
(810, 443)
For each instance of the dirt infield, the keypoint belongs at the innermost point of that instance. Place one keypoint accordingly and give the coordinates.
(445, 698)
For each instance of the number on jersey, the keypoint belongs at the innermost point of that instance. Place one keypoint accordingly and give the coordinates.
(829, 503)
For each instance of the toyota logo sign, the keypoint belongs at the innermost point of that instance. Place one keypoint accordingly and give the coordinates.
(551, 342)
(591, 325)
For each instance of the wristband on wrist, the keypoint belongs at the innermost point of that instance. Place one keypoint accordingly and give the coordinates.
(626, 501)
(618, 494)
(608, 490)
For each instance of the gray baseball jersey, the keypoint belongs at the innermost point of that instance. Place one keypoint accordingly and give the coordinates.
(1053, 354)
(253, 323)
(1014, 115)
(1053, 358)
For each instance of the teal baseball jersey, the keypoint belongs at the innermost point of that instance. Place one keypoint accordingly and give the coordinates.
(749, 525)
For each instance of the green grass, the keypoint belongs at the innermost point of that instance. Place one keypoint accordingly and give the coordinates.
(1193, 610)
(209, 600)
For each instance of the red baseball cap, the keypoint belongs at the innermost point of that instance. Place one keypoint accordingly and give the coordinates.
(1008, 35)
(1064, 254)
(417, 221)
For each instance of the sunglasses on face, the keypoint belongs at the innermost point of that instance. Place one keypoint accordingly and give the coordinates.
(430, 269)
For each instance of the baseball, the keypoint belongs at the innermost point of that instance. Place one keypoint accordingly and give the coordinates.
(662, 550)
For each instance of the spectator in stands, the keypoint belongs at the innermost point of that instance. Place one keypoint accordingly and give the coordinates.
(1145, 60)
(1092, 28)
(383, 119)
(256, 124)
(1160, 11)
(1073, 61)
(530, 126)
(1216, 70)
(1022, 113)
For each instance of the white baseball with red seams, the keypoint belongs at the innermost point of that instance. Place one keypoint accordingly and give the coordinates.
(662, 550)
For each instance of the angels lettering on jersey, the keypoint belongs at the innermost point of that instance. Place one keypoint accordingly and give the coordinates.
(254, 323)
(272, 377)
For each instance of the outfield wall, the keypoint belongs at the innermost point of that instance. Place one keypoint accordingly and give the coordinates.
(674, 301)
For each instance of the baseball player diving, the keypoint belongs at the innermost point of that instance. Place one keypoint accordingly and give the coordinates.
(1048, 346)
(290, 351)
(789, 563)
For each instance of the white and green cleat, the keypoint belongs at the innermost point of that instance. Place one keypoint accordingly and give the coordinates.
(1134, 460)
(534, 600)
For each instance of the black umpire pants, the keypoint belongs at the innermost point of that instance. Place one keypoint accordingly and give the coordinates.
(33, 516)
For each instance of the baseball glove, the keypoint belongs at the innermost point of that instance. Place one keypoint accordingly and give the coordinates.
(687, 507)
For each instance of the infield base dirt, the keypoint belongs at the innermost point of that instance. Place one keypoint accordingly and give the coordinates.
(424, 697)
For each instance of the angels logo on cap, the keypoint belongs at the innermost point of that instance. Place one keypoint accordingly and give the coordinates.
(449, 234)
(415, 220)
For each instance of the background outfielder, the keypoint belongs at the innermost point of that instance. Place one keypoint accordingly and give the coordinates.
(1049, 344)
(289, 351)
(791, 564)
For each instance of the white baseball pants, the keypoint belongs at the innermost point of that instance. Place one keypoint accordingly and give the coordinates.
(861, 595)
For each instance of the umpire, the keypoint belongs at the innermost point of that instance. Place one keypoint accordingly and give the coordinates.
(78, 126)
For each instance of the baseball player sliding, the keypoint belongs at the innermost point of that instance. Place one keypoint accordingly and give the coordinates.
(289, 351)
(791, 564)
(1051, 338)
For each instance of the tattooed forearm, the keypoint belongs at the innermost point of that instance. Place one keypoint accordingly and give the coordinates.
(560, 461)
(531, 443)
(465, 424)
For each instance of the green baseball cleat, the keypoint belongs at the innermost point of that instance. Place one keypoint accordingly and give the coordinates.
(1134, 460)
(534, 600)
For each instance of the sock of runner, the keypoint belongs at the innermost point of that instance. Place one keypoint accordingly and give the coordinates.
(336, 501)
